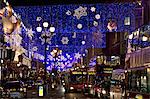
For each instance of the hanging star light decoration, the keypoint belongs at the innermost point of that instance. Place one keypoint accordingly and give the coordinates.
(93, 9)
(64, 40)
(77, 55)
(30, 33)
(79, 12)
(68, 12)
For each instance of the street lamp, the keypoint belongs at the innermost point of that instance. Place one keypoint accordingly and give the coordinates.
(46, 34)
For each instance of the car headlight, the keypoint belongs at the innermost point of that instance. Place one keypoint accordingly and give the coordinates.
(104, 91)
(63, 81)
(64, 84)
(21, 89)
(71, 88)
(89, 85)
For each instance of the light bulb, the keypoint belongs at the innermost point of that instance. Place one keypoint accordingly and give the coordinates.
(39, 29)
(52, 29)
(45, 24)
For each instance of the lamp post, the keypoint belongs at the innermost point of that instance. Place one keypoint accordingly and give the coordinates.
(46, 34)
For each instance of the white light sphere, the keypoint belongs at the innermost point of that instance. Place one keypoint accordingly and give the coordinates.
(52, 29)
(83, 42)
(39, 29)
(79, 26)
(97, 16)
(144, 38)
(83, 54)
(45, 24)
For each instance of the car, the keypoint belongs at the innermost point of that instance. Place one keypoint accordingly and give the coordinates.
(14, 89)
(30, 84)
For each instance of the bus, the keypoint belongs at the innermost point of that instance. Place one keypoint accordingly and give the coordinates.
(75, 80)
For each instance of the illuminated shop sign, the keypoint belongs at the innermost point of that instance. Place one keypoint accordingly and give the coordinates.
(91, 73)
(76, 72)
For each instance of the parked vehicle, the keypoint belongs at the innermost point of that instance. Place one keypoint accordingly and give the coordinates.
(14, 89)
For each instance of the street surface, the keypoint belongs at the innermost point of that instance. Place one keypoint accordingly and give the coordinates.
(57, 93)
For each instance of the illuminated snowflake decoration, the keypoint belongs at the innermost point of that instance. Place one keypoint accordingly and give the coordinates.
(77, 55)
(34, 48)
(93, 9)
(74, 35)
(68, 12)
(48, 39)
(95, 23)
(30, 33)
(79, 12)
(64, 40)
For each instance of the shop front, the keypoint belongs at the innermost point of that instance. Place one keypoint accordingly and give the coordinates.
(139, 74)
(139, 82)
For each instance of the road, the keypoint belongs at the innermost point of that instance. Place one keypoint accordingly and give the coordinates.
(57, 93)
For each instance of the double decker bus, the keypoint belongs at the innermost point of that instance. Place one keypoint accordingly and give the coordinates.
(75, 80)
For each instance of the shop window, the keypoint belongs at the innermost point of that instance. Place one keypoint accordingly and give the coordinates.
(127, 21)
(138, 81)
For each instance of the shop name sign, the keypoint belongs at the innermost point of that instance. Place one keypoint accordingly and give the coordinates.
(107, 70)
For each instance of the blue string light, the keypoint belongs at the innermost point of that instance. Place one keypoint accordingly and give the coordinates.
(66, 25)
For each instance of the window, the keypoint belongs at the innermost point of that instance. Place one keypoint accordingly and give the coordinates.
(127, 21)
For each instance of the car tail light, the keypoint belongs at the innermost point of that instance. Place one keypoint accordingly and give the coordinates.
(98, 90)
(85, 85)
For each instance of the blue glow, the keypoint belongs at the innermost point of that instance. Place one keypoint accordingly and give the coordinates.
(66, 26)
